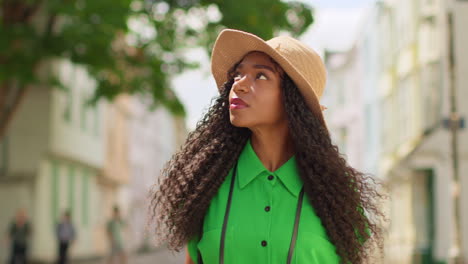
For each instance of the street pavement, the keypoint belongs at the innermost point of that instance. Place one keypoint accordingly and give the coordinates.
(158, 256)
(161, 256)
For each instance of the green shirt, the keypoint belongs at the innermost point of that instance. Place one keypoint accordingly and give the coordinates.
(262, 209)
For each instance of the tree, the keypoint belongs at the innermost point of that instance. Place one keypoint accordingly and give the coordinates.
(128, 46)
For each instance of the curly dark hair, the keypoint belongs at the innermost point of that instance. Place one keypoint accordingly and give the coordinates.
(346, 200)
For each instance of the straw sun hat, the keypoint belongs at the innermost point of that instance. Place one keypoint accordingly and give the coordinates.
(302, 64)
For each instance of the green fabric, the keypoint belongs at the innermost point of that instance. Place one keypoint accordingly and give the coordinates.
(249, 223)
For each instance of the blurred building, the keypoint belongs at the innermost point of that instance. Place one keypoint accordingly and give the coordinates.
(154, 137)
(115, 174)
(393, 90)
(61, 153)
(417, 162)
(368, 45)
(344, 100)
(54, 152)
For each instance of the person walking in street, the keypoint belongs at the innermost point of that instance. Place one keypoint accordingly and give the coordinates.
(259, 180)
(65, 236)
(115, 230)
(19, 235)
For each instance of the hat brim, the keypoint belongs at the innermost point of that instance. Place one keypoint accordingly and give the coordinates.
(232, 45)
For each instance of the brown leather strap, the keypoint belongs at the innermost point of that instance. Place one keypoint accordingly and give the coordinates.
(226, 217)
(296, 227)
(200, 260)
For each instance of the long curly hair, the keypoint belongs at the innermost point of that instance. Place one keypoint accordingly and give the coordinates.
(346, 200)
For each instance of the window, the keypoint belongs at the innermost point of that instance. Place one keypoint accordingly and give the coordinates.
(405, 112)
(55, 190)
(71, 190)
(387, 123)
(431, 82)
(424, 213)
(85, 198)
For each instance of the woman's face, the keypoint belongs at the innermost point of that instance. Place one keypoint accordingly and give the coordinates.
(255, 99)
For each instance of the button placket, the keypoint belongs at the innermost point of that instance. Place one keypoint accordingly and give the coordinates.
(267, 206)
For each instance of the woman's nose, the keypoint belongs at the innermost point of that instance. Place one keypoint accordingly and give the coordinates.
(241, 84)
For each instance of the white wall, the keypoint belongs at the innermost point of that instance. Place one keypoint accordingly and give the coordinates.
(399, 245)
(28, 135)
(461, 42)
(344, 98)
(82, 137)
(153, 140)
(369, 45)
(50, 203)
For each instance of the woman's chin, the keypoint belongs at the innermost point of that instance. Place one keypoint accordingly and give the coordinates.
(238, 122)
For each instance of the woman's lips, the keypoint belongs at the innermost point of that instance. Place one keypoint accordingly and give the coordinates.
(237, 103)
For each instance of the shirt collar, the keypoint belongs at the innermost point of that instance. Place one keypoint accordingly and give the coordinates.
(250, 167)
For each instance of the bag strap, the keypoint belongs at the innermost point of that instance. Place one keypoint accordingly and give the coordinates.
(199, 258)
(296, 226)
(226, 217)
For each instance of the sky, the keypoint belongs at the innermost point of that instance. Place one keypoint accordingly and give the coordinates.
(335, 28)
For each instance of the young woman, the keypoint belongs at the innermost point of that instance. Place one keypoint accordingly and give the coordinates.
(259, 180)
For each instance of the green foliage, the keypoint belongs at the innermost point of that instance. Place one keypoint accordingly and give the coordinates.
(130, 46)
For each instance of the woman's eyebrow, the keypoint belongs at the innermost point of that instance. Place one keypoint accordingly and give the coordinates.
(258, 66)
(261, 66)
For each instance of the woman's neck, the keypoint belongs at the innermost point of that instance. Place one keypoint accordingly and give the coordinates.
(273, 147)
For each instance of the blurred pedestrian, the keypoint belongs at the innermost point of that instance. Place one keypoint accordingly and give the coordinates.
(259, 180)
(19, 235)
(115, 230)
(65, 236)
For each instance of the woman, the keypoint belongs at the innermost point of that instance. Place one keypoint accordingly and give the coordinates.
(259, 180)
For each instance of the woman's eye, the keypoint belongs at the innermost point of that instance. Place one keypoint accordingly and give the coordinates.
(261, 76)
(237, 76)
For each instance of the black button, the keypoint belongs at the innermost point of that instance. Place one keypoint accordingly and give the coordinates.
(267, 208)
(271, 177)
(264, 243)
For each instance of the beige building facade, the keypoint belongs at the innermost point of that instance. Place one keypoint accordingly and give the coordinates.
(417, 161)
(398, 75)
(62, 154)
